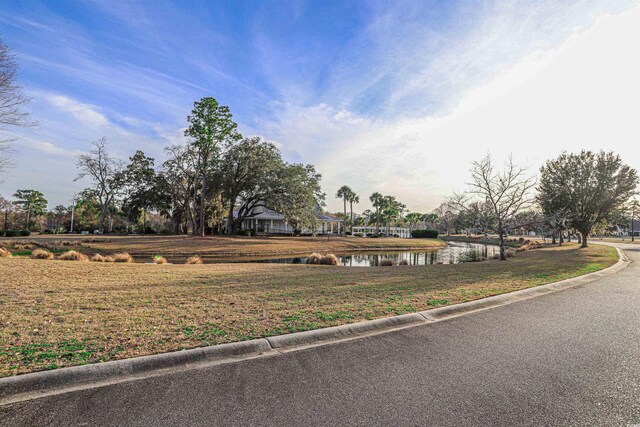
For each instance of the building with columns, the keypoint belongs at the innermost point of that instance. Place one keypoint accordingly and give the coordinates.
(267, 221)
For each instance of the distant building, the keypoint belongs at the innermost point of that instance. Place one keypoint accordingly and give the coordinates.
(634, 228)
(267, 221)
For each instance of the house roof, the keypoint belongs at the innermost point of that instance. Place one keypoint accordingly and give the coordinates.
(270, 214)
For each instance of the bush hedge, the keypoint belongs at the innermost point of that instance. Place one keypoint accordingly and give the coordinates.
(428, 234)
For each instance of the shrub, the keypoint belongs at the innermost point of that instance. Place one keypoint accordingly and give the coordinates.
(386, 263)
(358, 234)
(347, 233)
(194, 260)
(424, 234)
(159, 259)
(97, 258)
(25, 233)
(4, 253)
(329, 259)
(403, 262)
(12, 233)
(41, 254)
(73, 256)
(123, 257)
(314, 258)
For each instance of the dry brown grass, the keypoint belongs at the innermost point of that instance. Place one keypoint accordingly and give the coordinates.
(97, 258)
(41, 254)
(61, 314)
(193, 260)
(159, 260)
(122, 257)
(314, 258)
(329, 259)
(223, 247)
(4, 253)
(73, 256)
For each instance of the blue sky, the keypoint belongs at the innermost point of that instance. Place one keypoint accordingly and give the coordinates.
(396, 97)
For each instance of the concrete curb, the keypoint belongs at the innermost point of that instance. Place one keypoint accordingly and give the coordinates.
(57, 381)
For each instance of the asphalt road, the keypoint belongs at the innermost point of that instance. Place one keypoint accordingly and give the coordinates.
(569, 358)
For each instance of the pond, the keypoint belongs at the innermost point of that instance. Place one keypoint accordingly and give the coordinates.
(454, 253)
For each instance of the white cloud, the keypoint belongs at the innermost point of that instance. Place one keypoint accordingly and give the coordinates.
(582, 94)
(86, 114)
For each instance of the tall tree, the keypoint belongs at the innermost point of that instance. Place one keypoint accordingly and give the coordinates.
(12, 102)
(506, 192)
(592, 186)
(413, 218)
(301, 197)
(33, 203)
(353, 198)
(106, 173)
(251, 178)
(179, 181)
(377, 200)
(344, 193)
(212, 130)
(142, 187)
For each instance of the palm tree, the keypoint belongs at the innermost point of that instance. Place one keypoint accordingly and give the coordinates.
(377, 200)
(344, 193)
(353, 198)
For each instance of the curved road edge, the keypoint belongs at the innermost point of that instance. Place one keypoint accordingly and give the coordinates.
(64, 380)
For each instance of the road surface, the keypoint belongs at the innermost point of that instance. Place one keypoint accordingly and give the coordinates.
(569, 358)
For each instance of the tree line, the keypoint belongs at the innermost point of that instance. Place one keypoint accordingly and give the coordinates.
(208, 185)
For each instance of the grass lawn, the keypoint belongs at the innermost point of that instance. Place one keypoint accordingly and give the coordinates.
(230, 247)
(62, 313)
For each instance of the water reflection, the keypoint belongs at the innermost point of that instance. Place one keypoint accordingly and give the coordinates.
(454, 253)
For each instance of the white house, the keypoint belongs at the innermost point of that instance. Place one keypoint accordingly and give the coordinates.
(267, 221)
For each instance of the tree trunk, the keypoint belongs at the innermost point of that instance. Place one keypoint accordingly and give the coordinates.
(194, 211)
(344, 199)
(204, 188)
(560, 239)
(230, 221)
(351, 209)
(103, 214)
(144, 222)
(584, 239)
(553, 237)
(26, 225)
(503, 257)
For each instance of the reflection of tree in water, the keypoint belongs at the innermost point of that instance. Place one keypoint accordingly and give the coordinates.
(452, 254)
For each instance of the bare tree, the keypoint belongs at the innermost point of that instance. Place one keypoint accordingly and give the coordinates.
(106, 173)
(11, 102)
(506, 192)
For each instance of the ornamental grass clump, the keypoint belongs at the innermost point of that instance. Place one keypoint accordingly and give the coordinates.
(4, 253)
(194, 260)
(329, 259)
(97, 258)
(386, 263)
(403, 262)
(123, 257)
(73, 256)
(159, 259)
(314, 258)
(41, 254)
